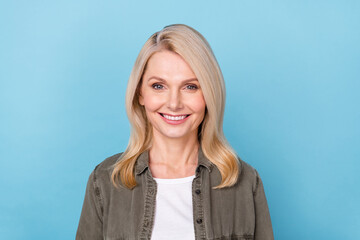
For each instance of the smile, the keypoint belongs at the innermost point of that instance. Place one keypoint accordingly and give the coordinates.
(174, 118)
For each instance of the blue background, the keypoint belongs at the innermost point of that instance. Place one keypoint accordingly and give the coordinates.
(292, 71)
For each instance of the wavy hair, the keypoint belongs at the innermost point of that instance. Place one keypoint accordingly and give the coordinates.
(196, 51)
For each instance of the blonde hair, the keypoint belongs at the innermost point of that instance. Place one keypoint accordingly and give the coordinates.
(196, 51)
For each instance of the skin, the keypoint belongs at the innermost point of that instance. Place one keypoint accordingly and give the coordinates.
(170, 88)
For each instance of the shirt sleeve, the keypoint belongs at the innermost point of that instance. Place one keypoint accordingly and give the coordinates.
(90, 224)
(263, 227)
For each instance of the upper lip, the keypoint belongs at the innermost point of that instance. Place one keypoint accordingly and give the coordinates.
(175, 115)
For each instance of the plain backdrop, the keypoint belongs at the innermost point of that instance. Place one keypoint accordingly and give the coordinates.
(292, 72)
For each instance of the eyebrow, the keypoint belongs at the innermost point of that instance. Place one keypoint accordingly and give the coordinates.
(163, 80)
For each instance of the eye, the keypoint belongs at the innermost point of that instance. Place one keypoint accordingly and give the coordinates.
(192, 87)
(157, 86)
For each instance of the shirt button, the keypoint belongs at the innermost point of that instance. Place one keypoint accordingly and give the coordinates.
(151, 191)
(146, 223)
(199, 220)
(197, 191)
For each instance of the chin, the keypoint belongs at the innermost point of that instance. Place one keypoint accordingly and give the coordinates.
(176, 135)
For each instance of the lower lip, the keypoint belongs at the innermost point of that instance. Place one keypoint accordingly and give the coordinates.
(174, 122)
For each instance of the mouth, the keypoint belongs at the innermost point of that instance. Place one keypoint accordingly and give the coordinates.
(174, 117)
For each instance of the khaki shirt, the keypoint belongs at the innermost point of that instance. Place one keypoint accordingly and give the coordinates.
(237, 212)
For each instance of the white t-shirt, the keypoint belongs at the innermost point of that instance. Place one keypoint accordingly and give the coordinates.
(173, 210)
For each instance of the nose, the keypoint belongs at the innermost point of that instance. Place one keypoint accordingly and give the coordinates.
(174, 101)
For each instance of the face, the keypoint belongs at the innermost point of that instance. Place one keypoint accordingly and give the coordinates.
(171, 96)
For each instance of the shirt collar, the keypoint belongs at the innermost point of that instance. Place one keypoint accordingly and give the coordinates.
(142, 163)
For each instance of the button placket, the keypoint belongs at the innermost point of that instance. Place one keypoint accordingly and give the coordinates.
(197, 205)
(149, 208)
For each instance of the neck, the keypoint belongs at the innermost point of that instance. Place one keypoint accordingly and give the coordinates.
(171, 156)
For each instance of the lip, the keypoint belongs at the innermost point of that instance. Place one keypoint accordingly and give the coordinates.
(174, 122)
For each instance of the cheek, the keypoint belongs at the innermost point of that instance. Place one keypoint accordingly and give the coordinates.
(199, 104)
(152, 103)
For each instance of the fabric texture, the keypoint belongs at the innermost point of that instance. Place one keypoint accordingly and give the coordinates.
(237, 212)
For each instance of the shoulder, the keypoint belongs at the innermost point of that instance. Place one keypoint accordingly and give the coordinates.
(248, 174)
(108, 163)
(246, 169)
(102, 172)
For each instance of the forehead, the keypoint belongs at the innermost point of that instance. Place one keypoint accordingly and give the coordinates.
(168, 64)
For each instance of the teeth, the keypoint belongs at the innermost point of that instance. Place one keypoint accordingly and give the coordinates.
(177, 118)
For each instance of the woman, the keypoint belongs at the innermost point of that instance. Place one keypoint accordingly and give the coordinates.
(178, 178)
